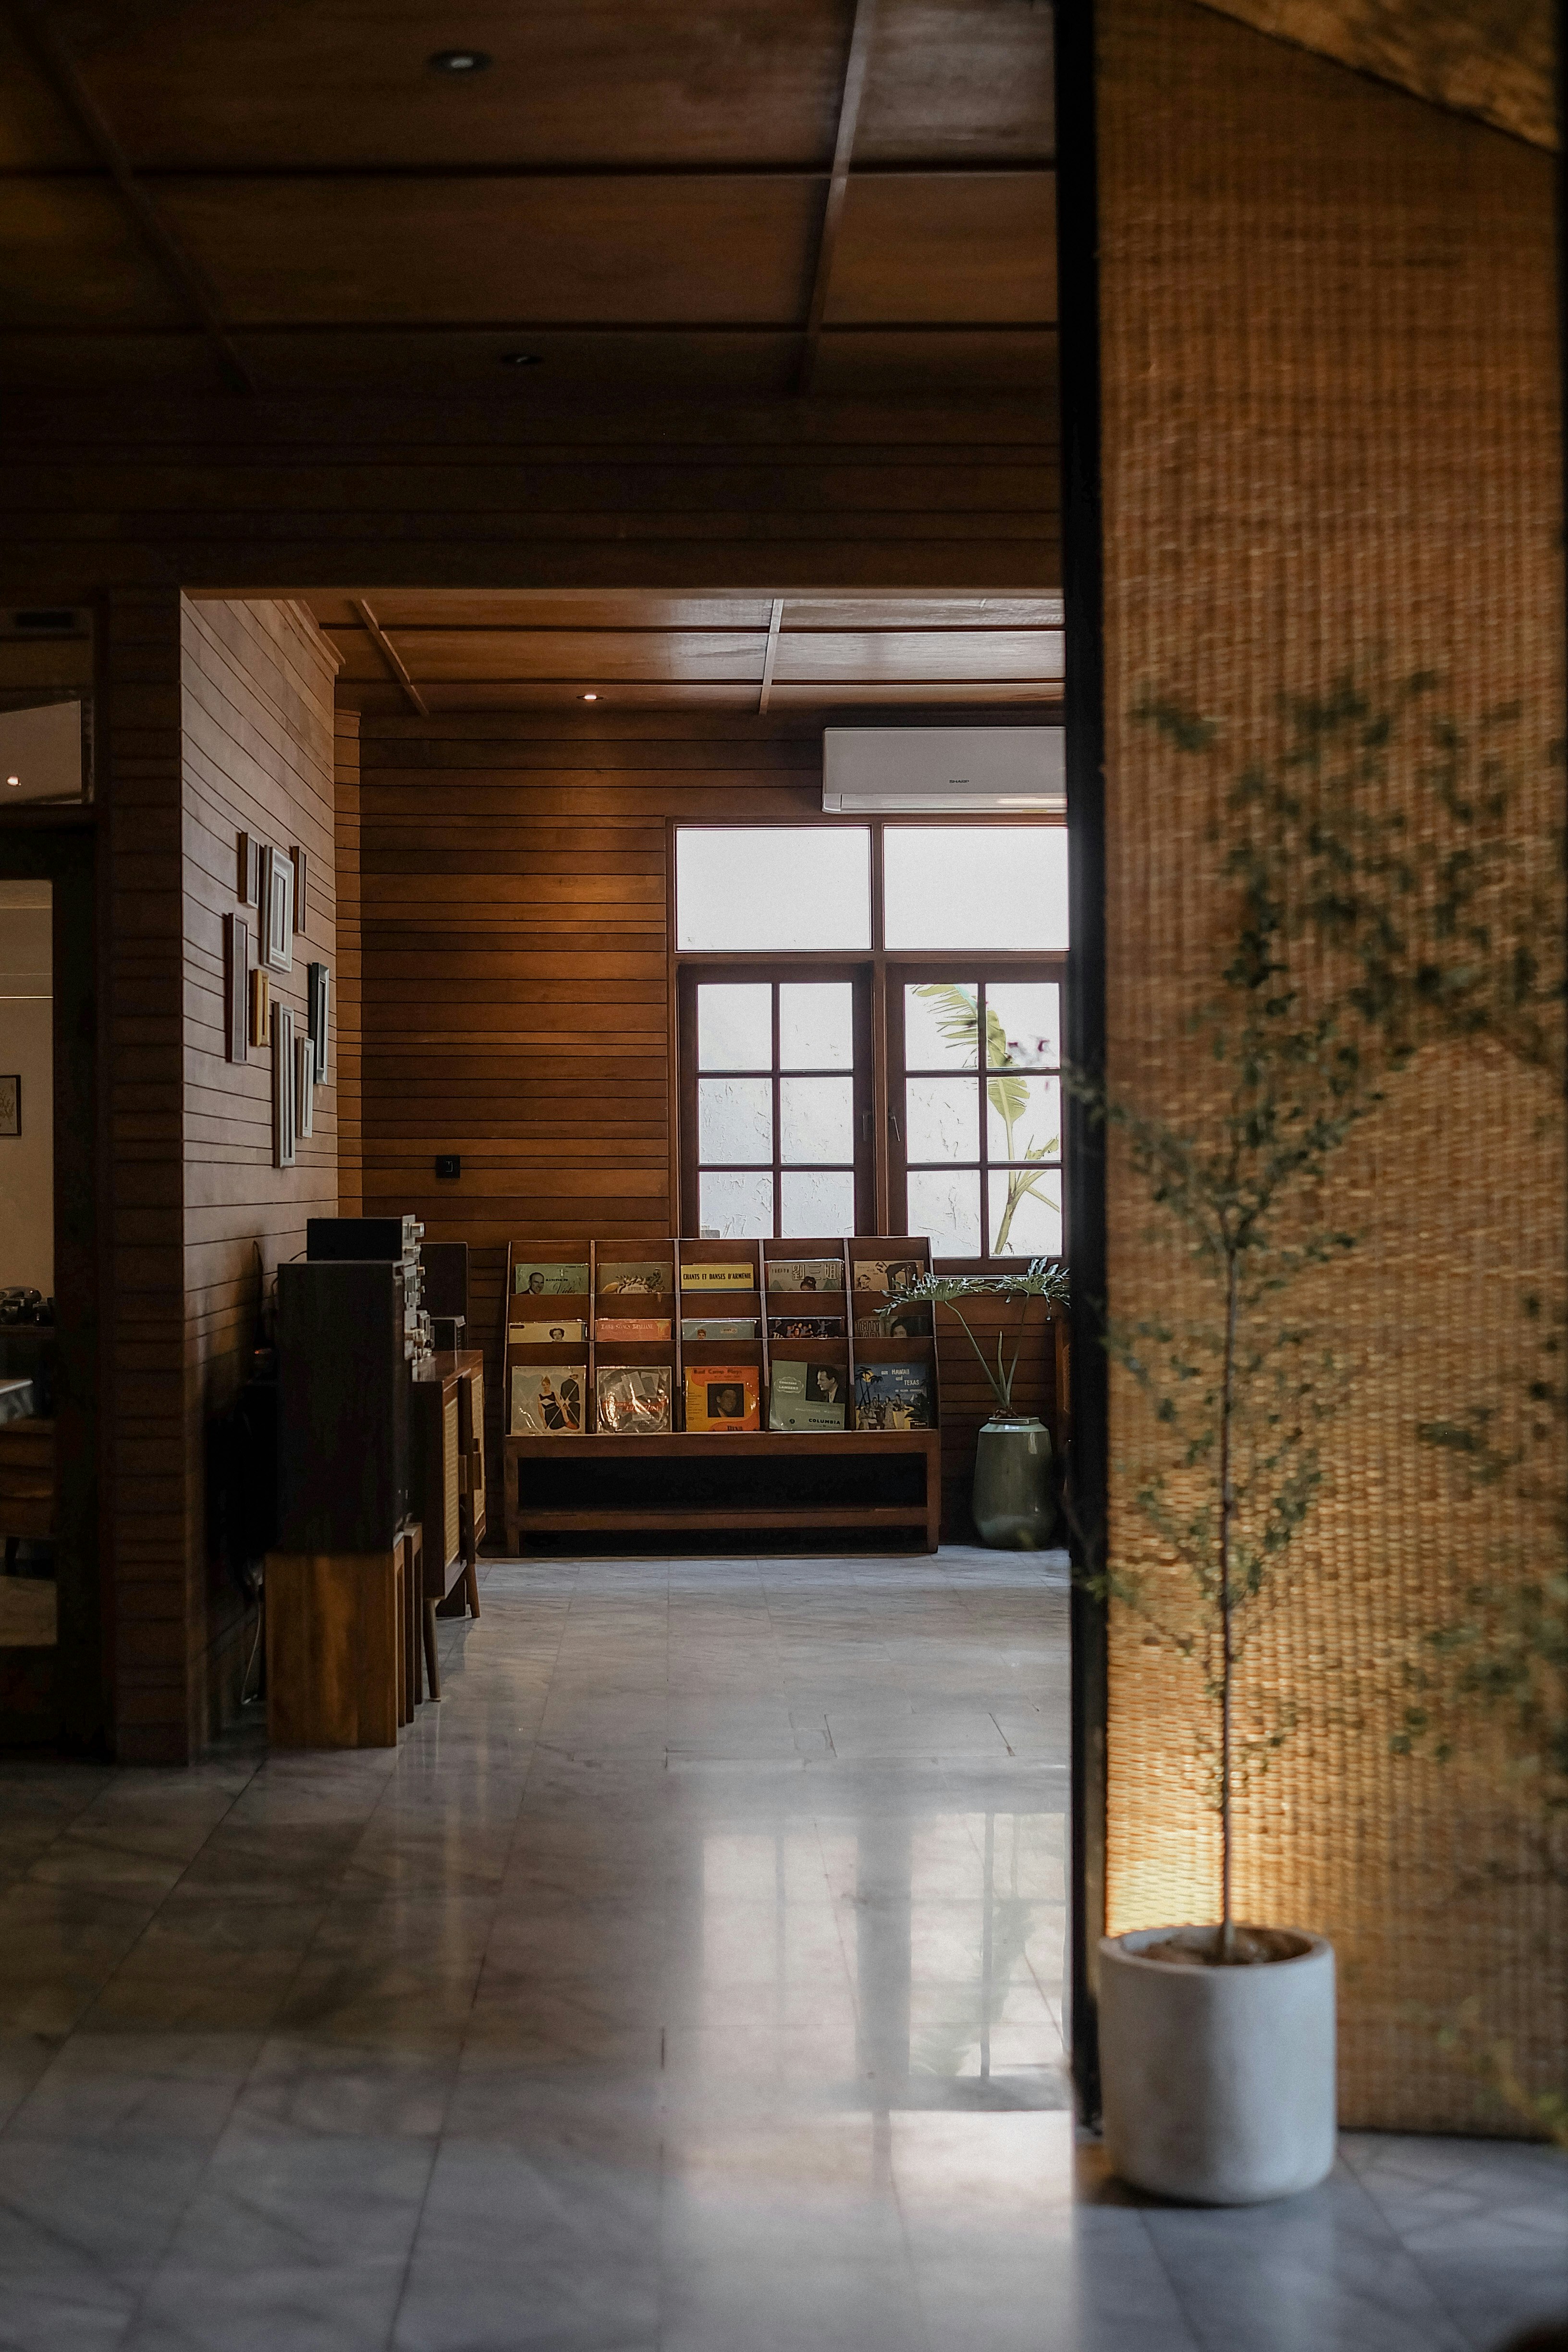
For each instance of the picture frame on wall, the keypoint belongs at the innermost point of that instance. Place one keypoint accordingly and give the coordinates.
(296, 858)
(260, 1005)
(278, 911)
(248, 877)
(10, 1104)
(304, 1087)
(236, 987)
(283, 1076)
(317, 1014)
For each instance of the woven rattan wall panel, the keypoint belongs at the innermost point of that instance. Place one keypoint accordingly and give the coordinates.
(1332, 443)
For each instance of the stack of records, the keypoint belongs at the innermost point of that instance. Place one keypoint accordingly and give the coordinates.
(546, 1400)
(551, 1279)
(804, 1274)
(722, 1396)
(892, 1396)
(634, 1399)
(806, 1395)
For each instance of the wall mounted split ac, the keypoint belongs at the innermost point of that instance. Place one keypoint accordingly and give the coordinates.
(943, 771)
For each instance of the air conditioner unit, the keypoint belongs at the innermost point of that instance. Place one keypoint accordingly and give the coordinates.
(943, 770)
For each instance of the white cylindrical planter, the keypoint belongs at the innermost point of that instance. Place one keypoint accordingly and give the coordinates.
(1217, 2083)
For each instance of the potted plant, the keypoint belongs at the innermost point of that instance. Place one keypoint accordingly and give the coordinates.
(1014, 1506)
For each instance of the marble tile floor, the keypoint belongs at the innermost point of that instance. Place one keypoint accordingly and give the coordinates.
(688, 1980)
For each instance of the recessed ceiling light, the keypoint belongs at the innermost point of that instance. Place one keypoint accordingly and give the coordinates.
(522, 359)
(459, 61)
(13, 779)
(587, 697)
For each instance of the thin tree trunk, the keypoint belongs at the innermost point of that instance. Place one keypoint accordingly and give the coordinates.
(1227, 1655)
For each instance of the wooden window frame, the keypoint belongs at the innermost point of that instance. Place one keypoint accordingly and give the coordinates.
(882, 972)
(906, 969)
(694, 971)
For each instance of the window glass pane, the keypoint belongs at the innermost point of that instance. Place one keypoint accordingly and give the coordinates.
(1025, 1206)
(940, 1025)
(1023, 1118)
(945, 1204)
(816, 1117)
(734, 1118)
(942, 1119)
(976, 885)
(818, 1201)
(734, 1026)
(772, 888)
(735, 1204)
(1023, 1024)
(817, 1025)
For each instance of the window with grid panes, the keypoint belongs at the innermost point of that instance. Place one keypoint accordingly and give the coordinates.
(825, 1090)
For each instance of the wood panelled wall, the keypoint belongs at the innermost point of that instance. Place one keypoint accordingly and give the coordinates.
(221, 720)
(345, 985)
(1332, 451)
(514, 979)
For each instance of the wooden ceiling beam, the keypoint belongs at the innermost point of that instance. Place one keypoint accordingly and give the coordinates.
(54, 63)
(839, 182)
(948, 167)
(390, 655)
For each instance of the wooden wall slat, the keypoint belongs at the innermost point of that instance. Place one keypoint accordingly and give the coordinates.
(220, 720)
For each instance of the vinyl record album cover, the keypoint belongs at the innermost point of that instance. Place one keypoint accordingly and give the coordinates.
(550, 1280)
(730, 1326)
(634, 1399)
(892, 1396)
(739, 1275)
(804, 1395)
(806, 1274)
(542, 1335)
(633, 1278)
(886, 1273)
(806, 1326)
(546, 1400)
(722, 1396)
(908, 1323)
(631, 1327)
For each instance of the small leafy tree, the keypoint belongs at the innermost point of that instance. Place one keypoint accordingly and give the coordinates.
(1239, 1391)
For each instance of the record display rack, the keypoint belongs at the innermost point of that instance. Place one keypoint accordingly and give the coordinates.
(598, 1482)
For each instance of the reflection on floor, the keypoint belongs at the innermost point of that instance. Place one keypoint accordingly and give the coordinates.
(690, 1980)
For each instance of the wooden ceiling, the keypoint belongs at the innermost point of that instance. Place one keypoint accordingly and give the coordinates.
(447, 650)
(735, 197)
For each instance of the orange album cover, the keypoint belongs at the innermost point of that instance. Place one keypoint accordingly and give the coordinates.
(722, 1396)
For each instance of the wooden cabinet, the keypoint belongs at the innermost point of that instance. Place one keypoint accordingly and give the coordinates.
(449, 1487)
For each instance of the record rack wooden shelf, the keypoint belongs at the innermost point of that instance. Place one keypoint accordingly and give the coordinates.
(854, 1481)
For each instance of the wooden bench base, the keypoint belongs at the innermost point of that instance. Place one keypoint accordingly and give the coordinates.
(747, 1481)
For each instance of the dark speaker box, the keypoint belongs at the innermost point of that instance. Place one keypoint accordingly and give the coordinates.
(342, 1394)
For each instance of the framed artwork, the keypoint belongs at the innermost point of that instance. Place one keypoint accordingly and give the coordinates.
(296, 859)
(282, 1086)
(278, 911)
(318, 1009)
(10, 1105)
(248, 880)
(304, 1087)
(260, 1007)
(236, 987)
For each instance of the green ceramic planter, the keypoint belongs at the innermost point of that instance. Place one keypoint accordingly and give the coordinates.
(1014, 1506)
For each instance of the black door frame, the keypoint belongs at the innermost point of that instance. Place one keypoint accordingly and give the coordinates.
(1078, 314)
